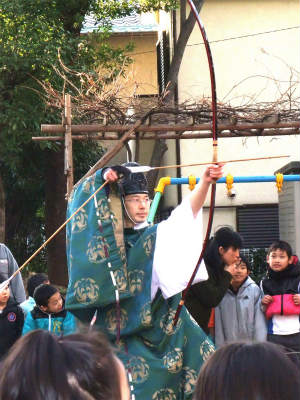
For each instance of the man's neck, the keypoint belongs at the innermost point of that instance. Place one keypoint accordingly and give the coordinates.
(3, 305)
(128, 223)
(139, 225)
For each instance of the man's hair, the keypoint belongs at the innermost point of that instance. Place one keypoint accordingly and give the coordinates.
(41, 365)
(43, 293)
(281, 245)
(34, 281)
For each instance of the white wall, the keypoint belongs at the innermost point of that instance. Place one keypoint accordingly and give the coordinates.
(264, 63)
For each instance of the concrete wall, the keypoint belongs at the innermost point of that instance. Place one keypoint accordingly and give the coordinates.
(144, 68)
(255, 68)
(289, 215)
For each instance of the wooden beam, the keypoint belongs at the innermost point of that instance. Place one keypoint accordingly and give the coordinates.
(95, 128)
(153, 136)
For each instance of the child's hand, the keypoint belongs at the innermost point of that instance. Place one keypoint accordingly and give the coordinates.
(296, 299)
(267, 300)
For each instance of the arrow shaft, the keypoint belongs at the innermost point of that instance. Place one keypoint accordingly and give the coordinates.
(219, 162)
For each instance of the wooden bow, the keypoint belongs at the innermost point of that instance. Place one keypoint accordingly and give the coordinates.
(214, 158)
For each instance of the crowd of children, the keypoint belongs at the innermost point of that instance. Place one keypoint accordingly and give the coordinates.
(269, 312)
(43, 309)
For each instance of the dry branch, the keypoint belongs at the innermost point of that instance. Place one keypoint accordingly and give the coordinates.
(106, 105)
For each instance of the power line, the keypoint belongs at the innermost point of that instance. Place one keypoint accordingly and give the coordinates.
(245, 36)
(226, 39)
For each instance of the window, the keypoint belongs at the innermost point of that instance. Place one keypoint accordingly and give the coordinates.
(258, 225)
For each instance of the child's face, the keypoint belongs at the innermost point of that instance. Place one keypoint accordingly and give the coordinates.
(240, 274)
(55, 304)
(278, 260)
(4, 295)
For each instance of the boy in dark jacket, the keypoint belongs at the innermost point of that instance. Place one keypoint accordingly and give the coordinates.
(11, 320)
(49, 313)
(281, 299)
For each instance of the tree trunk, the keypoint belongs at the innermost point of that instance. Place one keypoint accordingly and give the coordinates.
(55, 215)
(2, 211)
(186, 28)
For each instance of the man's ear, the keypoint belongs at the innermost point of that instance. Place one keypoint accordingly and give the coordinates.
(268, 258)
(291, 260)
(43, 308)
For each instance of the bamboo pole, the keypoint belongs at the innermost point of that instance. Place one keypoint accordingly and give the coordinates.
(68, 145)
(85, 129)
(156, 136)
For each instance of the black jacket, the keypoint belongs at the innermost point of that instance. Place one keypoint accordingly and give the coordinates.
(282, 282)
(11, 324)
(203, 296)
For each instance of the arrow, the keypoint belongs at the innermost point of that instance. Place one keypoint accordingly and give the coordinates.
(145, 168)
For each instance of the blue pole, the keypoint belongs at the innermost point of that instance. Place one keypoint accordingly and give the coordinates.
(242, 179)
(153, 207)
(236, 179)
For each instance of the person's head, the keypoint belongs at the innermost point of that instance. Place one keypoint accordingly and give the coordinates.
(135, 196)
(34, 281)
(42, 366)
(242, 271)
(5, 293)
(223, 248)
(48, 298)
(279, 255)
(248, 371)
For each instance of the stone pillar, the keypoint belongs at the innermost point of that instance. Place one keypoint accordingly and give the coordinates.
(289, 208)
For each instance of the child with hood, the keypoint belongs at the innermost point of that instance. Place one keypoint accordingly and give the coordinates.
(239, 315)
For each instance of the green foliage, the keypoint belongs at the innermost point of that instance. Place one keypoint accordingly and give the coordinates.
(32, 31)
(257, 258)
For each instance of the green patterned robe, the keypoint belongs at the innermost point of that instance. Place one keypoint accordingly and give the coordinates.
(162, 362)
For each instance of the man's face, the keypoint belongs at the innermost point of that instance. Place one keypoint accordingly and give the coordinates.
(55, 304)
(137, 206)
